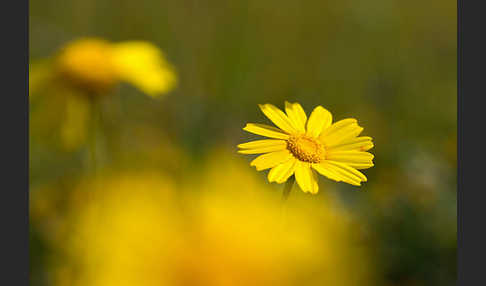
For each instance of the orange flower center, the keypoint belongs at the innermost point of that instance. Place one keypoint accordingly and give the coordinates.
(88, 64)
(305, 148)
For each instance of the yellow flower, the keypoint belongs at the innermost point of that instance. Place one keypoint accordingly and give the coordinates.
(150, 229)
(302, 146)
(96, 66)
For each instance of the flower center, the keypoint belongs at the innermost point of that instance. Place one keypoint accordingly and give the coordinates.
(88, 64)
(306, 148)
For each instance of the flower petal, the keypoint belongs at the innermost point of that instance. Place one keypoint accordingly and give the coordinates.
(262, 143)
(338, 125)
(355, 159)
(319, 120)
(265, 130)
(361, 166)
(342, 130)
(327, 172)
(297, 115)
(271, 160)
(362, 143)
(278, 117)
(263, 149)
(282, 172)
(350, 156)
(347, 174)
(305, 177)
(144, 65)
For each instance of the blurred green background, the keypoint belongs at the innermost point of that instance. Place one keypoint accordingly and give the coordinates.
(390, 64)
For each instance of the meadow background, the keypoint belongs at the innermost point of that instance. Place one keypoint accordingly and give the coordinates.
(170, 202)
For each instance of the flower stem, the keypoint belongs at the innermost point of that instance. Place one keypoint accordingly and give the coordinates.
(93, 134)
(95, 146)
(285, 195)
(288, 187)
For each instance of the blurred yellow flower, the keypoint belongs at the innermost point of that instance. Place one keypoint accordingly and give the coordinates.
(115, 230)
(85, 68)
(95, 66)
(301, 146)
(146, 229)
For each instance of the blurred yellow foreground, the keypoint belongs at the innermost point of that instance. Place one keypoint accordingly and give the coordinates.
(224, 226)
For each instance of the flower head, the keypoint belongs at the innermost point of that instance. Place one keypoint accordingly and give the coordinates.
(301, 146)
(95, 66)
(88, 64)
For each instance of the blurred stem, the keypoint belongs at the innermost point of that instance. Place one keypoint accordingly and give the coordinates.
(285, 195)
(288, 187)
(93, 143)
(93, 132)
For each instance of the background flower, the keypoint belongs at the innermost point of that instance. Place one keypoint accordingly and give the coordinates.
(95, 66)
(73, 82)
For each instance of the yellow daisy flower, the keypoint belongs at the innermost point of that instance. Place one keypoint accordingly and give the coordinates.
(62, 87)
(301, 146)
(95, 66)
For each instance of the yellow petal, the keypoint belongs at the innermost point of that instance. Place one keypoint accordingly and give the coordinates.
(319, 120)
(271, 160)
(347, 174)
(355, 159)
(327, 172)
(341, 131)
(297, 115)
(338, 125)
(262, 143)
(362, 143)
(277, 117)
(361, 166)
(305, 177)
(367, 146)
(263, 149)
(282, 172)
(265, 130)
(144, 65)
(350, 156)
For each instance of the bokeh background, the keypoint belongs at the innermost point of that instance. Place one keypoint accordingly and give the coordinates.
(166, 200)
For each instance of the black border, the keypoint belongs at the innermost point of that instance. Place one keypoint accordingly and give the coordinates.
(14, 118)
(471, 195)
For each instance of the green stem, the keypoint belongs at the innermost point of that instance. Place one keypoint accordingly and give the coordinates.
(288, 187)
(285, 195)
(93, 133)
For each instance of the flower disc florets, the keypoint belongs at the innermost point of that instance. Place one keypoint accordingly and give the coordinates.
(305, 148)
